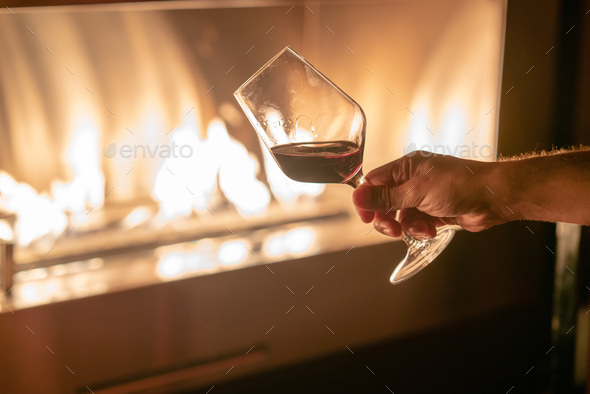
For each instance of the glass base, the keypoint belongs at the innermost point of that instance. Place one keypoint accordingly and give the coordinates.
(420, 254)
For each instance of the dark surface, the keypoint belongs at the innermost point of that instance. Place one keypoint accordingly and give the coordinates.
(545, 83)
(489, 355)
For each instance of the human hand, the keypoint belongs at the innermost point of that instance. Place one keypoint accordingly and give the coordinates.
(429, 191)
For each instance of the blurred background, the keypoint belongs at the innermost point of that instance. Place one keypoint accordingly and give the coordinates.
(148, 243)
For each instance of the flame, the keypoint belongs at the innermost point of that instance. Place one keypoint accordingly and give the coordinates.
(37, 215)
(184, 185)
(40, 215)
(134, 106)
(86, 190)
(6, 232)
(237, 174)
(186, 182)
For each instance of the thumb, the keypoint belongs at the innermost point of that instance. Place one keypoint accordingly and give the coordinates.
(385, 198)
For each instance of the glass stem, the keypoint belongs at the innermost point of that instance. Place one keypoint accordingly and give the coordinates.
(357, 179)
(410, 241)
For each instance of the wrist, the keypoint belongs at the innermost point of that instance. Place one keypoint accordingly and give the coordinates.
(548, 187)
(505, 184)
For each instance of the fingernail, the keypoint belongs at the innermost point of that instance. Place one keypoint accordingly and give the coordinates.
(386, 231)
(416, 232)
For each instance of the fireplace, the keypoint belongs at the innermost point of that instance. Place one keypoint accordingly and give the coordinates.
(125, 161)
(120, 132)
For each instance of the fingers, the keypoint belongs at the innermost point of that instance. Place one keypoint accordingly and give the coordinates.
(370, 198)
(387, 225)
(386, 198)
(381, 175)
(418, 224)
(366, 216)
(414, 222)
(391, 187)
(387, 187)
(392, 173)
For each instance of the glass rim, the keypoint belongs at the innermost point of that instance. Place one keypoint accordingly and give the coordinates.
(285, 49)
(302, 59)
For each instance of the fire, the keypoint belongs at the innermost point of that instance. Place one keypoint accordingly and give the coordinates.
(40, 215)
(186, 183)
(6, 233)
(238, 172)
(99, 113)
(86, 190)
(189, 184)
(37, 215)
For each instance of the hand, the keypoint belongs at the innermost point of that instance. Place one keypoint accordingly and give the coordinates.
(429, 191)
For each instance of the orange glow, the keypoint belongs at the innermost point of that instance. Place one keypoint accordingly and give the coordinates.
(455, 104)
(37, 215)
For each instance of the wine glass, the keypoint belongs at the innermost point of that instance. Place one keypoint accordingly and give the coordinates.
(316, 133)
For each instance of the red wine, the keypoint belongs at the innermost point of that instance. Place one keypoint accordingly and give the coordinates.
(319, 162)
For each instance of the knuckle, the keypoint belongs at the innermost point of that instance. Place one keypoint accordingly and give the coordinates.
(385, 198)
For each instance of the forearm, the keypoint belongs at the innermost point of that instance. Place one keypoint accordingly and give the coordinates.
(554, 187)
